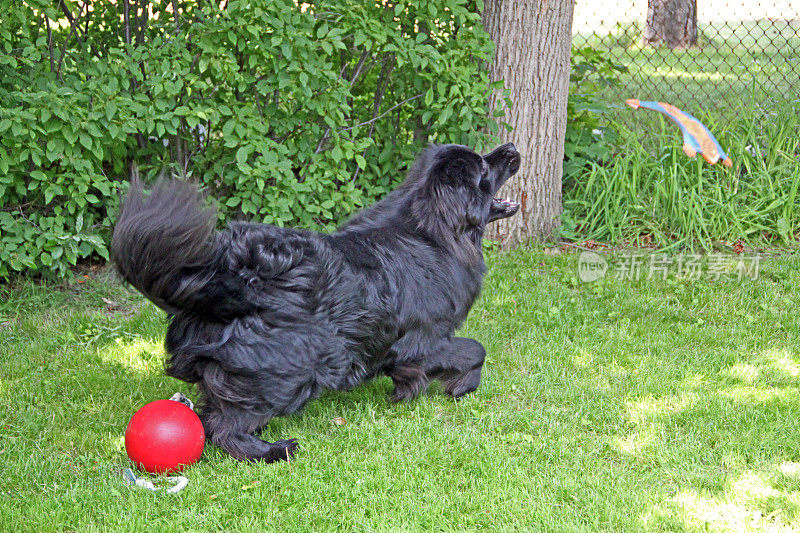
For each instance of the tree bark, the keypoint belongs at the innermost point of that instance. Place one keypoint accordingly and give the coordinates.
(672, 23)
(533, 41)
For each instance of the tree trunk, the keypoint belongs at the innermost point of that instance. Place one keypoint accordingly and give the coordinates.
(533, 41)
(671, 22)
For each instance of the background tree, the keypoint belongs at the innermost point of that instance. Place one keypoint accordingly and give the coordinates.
(533, 42)
(672, 23)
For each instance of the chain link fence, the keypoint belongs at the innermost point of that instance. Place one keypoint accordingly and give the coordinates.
(747, 52)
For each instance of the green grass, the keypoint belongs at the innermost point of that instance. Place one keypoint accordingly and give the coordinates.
(616, 405)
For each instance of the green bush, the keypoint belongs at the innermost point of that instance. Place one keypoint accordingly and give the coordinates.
(288, 113)
(585, 141)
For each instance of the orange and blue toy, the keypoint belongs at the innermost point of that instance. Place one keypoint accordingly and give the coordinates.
(697, 139)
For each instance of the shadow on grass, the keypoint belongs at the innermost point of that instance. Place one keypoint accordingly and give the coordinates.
(660, 393)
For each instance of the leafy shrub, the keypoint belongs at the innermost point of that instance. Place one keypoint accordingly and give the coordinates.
(289, 113)
(586, 141)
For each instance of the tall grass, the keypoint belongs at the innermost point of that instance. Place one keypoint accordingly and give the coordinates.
(650, 192)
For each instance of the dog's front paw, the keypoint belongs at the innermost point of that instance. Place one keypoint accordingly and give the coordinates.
(285, 449)
(463, 384)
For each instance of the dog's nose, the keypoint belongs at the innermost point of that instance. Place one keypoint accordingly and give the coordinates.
(503, 154)
(513, 158)
(511, 152)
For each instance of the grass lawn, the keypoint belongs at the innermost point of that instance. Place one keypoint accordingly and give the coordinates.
(613, 405)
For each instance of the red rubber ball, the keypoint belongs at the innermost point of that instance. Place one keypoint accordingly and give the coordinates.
(164, 436)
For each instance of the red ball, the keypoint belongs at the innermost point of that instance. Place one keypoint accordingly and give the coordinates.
(164, 436)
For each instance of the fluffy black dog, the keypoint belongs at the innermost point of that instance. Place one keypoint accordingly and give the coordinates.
(265, 318)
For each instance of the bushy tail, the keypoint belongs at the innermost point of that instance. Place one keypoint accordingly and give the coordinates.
(165, 246)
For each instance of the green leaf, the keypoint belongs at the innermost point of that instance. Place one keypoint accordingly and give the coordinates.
(103, 187)
(241, 155)
(336, 153)
(85, 139)
(359, 38)
(783, 227)
(103, 251)
(50, 192)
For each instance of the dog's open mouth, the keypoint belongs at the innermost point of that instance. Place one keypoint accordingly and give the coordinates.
(504, 204)
(502, 208)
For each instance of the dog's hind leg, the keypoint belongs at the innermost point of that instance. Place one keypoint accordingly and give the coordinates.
(409, 380)
(231, 414)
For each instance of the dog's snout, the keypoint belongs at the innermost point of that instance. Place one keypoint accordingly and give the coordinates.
(512, 155)
(511, 152)
(513, 158)
(507, 150)
(505, 156)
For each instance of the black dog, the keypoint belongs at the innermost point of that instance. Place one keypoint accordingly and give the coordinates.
(264, 318)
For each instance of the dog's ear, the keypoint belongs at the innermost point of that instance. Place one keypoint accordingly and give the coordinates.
(441, 207)
(451, 172)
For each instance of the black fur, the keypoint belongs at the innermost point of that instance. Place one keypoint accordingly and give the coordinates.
(264, 318)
